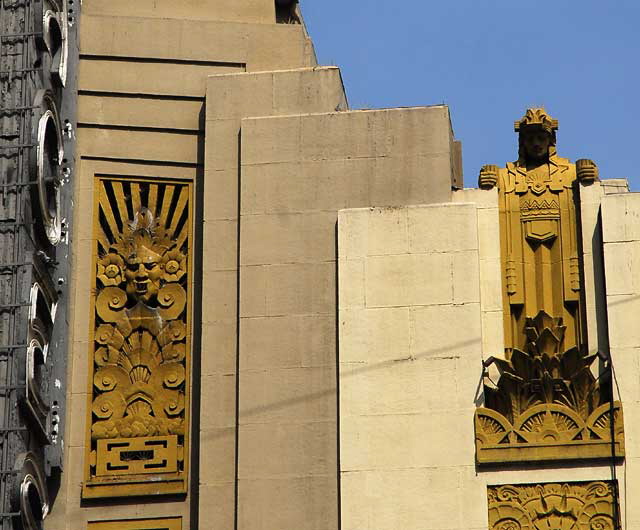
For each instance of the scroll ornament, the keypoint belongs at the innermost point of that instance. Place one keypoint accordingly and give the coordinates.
(140, 336)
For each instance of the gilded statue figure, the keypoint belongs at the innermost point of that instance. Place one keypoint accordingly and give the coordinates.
(539, 235)
(546, 403)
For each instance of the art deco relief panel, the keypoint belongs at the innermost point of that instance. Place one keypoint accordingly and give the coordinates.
(547, 404)
(578, 505)
(139, 428)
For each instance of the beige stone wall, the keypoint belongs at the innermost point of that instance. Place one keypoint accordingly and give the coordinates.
(258, 11)
(254, 47)
(592, 251)
(229, 99)
(620, 214)
(296, 173)
(419, 308)
(410, 352)
(491, 315)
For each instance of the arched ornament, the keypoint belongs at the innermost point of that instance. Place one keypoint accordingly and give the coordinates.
(42, 314)
(47, 165)
(29, 495)
(53, 28)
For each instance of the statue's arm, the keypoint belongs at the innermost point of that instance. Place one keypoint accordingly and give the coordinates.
(488, 178)
(586, 170)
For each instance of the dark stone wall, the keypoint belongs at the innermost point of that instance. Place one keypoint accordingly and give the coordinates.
(38, 62)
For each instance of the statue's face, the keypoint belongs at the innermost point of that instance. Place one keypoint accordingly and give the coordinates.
(143, 274)
(536, 144)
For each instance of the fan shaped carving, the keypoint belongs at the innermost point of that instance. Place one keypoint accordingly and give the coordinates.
(547, 397)
(556, 506)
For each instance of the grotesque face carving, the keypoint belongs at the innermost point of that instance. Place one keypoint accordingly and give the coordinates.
(536, 142)
(143, 271)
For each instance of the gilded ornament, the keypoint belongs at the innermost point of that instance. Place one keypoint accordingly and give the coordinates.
(562, 506)
(140, 370)
(547, 404)
(111, 269)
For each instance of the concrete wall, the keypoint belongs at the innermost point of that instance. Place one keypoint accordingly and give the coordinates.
(419, 308)
(593, 259)
(410, 352)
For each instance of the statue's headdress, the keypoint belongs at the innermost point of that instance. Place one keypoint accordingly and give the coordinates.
(144, 229)
(537, 117)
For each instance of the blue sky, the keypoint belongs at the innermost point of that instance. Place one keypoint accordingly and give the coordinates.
(491, 59)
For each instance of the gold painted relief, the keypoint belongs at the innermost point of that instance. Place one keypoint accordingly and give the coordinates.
(571, 506)
(546, 404)
(139, 376)
(538, 231)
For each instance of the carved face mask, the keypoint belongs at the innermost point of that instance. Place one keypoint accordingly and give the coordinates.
(143, 274)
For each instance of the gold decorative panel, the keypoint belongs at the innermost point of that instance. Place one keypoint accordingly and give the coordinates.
(138, 435)
(546, 404)
(172, 523)
(570, 506)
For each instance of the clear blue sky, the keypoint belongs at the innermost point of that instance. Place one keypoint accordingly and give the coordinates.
(491, 59)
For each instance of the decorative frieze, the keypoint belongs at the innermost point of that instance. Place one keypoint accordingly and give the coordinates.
(588, 505)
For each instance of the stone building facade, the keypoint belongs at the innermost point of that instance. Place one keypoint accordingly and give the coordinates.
(283, 313)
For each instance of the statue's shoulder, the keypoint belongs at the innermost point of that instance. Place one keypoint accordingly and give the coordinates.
(561, 161)
(512, 176)
(565, 173)
(512, 167)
